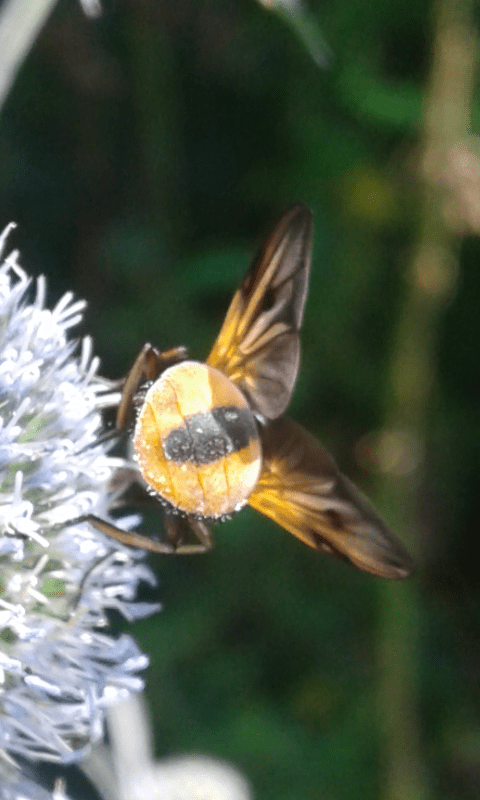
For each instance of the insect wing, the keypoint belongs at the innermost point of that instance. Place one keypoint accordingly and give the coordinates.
(302, 490)
(258, 347)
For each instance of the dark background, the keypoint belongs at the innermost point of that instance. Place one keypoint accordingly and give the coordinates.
(143, 156)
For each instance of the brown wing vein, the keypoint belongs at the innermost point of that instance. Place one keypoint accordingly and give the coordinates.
(258, 345)
(302, 490)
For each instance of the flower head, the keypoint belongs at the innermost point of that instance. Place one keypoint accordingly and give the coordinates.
(58, 669)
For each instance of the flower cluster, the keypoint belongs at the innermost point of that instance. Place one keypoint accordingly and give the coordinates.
(58, 669)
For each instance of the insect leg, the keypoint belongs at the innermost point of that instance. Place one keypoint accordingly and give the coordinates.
(127, 537)
(176, 528)
(175, 534)
(148, 365)
(167, 358)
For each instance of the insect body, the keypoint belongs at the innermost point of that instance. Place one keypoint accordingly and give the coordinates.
(210, 438)
(197, 441)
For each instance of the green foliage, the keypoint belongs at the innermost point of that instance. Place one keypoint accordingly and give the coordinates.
(144, 156)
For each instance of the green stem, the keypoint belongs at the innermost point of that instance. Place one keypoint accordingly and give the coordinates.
(430, 277)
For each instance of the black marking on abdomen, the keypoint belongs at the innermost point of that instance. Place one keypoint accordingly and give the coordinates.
(211, 435)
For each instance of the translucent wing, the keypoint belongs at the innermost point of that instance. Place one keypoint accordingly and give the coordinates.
(258, 346)
(302, 490)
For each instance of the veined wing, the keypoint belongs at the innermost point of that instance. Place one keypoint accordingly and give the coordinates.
(258, 347)
(302, 489)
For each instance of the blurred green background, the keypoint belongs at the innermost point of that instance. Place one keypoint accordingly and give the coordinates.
(144, 155)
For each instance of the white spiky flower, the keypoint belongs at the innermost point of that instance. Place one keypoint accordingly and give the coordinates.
(15, 785)
(58, 669)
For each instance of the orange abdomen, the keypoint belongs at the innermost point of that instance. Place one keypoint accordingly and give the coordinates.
(197, 442)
